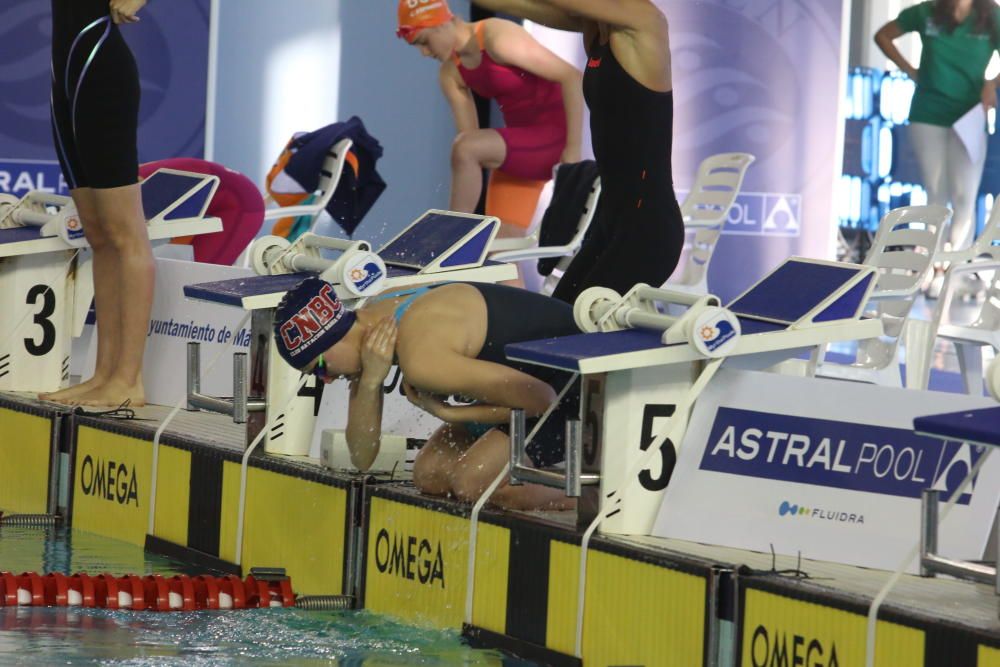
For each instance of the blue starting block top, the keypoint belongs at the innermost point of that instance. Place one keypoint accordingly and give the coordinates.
(980, 427)
(568, 351)
(232, 292)
(791, 293)
(20, 234)
(434, 235)
(191, 193)
(795, 288)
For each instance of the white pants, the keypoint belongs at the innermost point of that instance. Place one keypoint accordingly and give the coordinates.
(950, 177)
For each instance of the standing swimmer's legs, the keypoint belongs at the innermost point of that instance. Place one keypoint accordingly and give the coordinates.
(127, 259)
(108, 309)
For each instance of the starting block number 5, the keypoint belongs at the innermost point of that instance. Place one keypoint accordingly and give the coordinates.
(651, 415)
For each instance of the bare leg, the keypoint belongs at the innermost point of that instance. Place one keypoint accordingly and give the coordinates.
(479, 466)
(105, 279)
(129, 298)
(470, 154)
(437, 459)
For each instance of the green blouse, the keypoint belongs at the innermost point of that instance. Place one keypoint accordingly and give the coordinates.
(952, 66)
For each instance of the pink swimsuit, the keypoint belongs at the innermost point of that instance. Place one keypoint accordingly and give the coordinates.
(533, 113)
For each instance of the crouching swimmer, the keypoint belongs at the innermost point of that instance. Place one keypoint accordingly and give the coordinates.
(447, 339)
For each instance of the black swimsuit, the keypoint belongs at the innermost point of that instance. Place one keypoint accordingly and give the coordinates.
(516, 315)
(638, 232)
(95, 96)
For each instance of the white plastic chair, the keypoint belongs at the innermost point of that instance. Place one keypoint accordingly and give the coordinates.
(333, 167)
(987, 245)
(329, 178)
(704, 210)
(969, 339)
(903, 252)
(983, 256)
(527, 248)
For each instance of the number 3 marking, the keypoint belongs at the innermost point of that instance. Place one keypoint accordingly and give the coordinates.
(42, 320)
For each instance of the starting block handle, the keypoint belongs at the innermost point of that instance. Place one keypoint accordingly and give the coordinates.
(193, 373)
(931, 563)
(331, 243)
(26, 217)
(664, 295)
(50, 198)
(574, 458)
(304, 263)
(572, 481)
(238, 407)
(637, 318)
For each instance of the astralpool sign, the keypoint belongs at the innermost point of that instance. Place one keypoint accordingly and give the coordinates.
(828, 469)
(835, 454)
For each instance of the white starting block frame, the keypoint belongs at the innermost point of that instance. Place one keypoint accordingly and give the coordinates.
(439, 246)
(636, 390)
(46, 288)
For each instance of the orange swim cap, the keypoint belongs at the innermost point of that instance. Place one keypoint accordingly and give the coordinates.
(416, 15)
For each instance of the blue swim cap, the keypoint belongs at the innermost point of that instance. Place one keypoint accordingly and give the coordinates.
(309, 321)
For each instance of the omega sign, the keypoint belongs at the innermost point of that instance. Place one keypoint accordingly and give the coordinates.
(109, 480)
(409, 557)
(784, 649)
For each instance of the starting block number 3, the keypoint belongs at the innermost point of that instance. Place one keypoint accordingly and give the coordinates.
(44, 296)
(36, 297)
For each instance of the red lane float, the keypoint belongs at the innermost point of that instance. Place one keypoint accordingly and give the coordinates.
(151, 592)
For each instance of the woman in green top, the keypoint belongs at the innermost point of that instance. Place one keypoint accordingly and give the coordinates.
(959, 38)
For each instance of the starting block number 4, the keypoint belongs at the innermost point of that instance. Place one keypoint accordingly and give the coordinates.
(36, 296)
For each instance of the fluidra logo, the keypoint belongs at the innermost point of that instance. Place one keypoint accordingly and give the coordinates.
(112, 481)
(788, 509)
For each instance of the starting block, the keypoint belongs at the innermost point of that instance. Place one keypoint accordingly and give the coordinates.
(641, 372)
(46, 288)
(977, 427)
(439, 246)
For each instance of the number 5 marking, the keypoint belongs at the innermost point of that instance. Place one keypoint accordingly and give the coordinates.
(668, 455)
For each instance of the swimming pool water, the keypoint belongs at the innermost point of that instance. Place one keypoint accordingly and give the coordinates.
(51, 636)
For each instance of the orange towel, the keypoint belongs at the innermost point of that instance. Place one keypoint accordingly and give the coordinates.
(511, 199)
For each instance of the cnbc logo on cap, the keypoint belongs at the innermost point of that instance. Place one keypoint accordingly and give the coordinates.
(794, 510)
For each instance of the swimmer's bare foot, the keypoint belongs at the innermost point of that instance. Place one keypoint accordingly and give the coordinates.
(69, 394)
(113, 393)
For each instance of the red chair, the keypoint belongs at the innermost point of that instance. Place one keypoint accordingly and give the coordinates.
(237, 202)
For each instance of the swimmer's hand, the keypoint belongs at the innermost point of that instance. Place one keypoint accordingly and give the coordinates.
(377, 351)
(124, 11)
(430, 403)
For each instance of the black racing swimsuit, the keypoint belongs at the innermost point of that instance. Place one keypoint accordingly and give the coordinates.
(638, 232)
(95, 97)
(516, 315)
